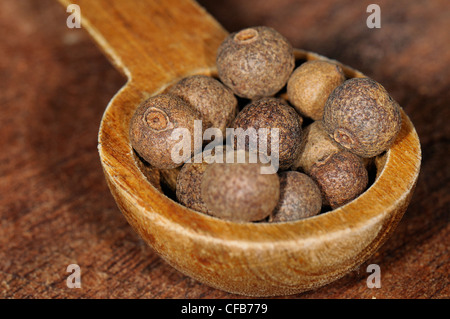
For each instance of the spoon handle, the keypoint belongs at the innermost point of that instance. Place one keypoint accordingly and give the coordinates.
(151, 41)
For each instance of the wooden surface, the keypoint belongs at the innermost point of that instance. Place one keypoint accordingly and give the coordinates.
(56, 209)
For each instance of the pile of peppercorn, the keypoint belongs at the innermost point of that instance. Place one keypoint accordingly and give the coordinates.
(324, 164)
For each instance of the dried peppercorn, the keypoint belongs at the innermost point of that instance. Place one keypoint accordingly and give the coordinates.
(152, 125)
(239, 192)
(362, 117)
(214, 101)
(300, 197)
(272, 113)
(255, 62)
(341, 178)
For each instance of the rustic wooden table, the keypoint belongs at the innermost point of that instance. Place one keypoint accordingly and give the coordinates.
(56, 209)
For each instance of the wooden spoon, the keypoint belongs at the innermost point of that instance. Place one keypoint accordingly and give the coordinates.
(154, 43)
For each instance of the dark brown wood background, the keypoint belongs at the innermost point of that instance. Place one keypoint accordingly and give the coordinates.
(55, 206)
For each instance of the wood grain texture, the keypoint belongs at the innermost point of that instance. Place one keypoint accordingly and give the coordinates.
(55, 206)
(152, 42)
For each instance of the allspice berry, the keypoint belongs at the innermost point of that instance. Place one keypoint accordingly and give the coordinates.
(239, 192)
(362, 117)
(189, 181)
(152, 125)
(310, 85)
(316, 145)
(341, 178)
(274, 115)
(255, 62)
(300, 197)
(213, 100)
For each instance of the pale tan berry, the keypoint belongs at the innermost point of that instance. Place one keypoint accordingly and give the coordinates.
(316, 145)
(310, 85)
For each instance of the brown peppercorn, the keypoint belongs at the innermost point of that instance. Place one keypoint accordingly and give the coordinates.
(316, 145)
(255, 62)
(310, 85)
(341, 178)
(272, 113)
(189, 181)
(188, 189)
(214, 101)
(239, 192)
(152, 125)
(362, 117)
(300, 197)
